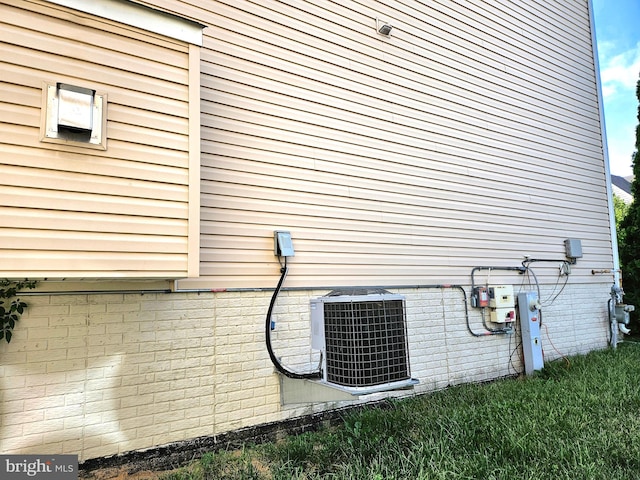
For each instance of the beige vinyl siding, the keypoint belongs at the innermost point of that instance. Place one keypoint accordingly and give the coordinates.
(72, 212)
(469, 137)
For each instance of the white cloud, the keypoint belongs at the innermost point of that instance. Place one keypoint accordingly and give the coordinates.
(620, 71)
(620, 158)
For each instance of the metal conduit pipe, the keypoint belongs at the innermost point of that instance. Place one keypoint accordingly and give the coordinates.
(92, 292)
(522, 269)
(280, 288)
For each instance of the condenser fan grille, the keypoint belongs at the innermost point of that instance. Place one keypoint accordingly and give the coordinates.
(365, 343)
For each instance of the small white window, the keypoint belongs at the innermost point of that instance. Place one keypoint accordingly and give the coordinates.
(74, 115)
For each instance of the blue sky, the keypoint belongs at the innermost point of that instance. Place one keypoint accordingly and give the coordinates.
(618, 36)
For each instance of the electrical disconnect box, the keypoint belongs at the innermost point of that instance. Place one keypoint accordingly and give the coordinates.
(282, 244)
(529, 311)
(502, 304)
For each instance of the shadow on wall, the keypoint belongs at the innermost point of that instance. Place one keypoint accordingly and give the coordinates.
(52, 406)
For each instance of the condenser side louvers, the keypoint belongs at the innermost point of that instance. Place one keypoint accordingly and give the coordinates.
(363, 340)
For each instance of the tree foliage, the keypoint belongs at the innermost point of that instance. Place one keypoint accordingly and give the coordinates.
(620, 208)
(629, 247)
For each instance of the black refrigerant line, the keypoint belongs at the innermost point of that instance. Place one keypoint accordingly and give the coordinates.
(276, 363)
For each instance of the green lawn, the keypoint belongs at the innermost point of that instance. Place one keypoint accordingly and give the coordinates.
(577, 419)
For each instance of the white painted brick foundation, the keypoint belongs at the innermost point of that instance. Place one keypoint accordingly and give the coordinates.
(97, 375)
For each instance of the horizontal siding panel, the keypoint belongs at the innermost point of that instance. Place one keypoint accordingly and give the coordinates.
(15, 34)
(553, 27)
(392, 250)
(236, 228)
(484, 217)
(147, 136)
(78, 182)
(92, 74)
(20, 136)
(90, 203)
(360, 262)
(96, 165)
(294, 25)
(346, 180)
(426, 202)
(414, 153)
(120, 93)
(493, 199)
(507, 31)
(61, 264)
(92, 222)
(487, 99)
(397, 130)
(29, 239)
(248, 150)
(499, 22)
(126, 114)
(427, 109)
(312, 36)
(517, 166)
(19, 115)
(20, 95)
(400, 121)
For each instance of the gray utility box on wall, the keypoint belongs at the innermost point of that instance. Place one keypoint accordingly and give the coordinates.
(573, 248)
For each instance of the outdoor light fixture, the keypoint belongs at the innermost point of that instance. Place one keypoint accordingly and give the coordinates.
(383, 27)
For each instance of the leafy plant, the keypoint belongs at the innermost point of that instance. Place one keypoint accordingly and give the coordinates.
(11, 308)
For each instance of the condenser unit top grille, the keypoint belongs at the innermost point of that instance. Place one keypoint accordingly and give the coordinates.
(365, 340)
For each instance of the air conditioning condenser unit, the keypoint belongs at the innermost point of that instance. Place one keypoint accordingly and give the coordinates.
(363, 341)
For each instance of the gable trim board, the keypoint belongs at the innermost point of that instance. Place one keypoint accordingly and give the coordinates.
(140, 16)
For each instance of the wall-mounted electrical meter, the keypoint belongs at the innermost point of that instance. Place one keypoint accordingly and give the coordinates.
(480, 297)
(502, 304)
